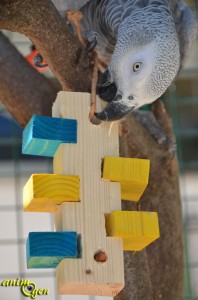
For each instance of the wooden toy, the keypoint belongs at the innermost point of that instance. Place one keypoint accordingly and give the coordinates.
(92, 207)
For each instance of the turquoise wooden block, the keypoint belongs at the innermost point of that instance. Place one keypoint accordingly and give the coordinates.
(47, 249)
(43, 135)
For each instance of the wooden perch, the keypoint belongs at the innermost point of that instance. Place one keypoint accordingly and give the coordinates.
(23, 90)
(162, 261)
(41, 22)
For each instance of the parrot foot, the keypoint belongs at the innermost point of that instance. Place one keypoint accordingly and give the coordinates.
(87, 38)
(148, 120)
(91, 38)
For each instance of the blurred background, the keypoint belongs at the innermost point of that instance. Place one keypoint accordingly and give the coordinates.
(182, 103)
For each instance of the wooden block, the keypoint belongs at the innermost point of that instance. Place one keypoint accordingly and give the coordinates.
(86, 276)
(43, 192)
(47, 249)
(43, 135)
(137, 228)
(132, 173)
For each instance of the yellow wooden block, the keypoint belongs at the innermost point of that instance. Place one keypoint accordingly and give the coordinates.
(138, 229)
(132, 173)
(43, 192)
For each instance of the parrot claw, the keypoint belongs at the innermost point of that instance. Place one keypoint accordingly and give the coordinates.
(91, 39)
(167, 143)
(148, 120)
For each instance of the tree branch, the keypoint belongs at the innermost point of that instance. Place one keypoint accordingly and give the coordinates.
(165, 256)
(23, 90)
(41, 22)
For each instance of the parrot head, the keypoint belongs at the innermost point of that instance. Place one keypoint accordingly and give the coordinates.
(144, 63)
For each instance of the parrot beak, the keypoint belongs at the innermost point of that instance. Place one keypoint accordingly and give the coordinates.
(115, 110)
(105, 79)
(106, 88)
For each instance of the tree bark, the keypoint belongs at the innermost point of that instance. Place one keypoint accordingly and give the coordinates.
(41, 22)
(23, 90)
(164, 256)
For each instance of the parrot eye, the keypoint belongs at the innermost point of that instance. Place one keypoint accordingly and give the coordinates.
(137, 66)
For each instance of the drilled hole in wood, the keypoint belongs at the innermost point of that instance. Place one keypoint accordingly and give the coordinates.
(100, 256)
(88, 271)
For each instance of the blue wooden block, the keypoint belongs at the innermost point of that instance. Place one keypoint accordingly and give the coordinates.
(43, 135)
(47, 249)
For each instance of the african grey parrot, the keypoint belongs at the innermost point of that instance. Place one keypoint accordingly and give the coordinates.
(144, 43)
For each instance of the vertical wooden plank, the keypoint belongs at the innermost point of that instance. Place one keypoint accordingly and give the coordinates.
(97, 198)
